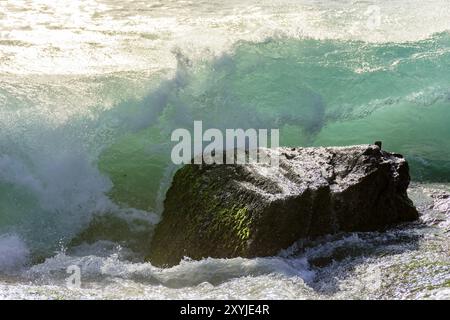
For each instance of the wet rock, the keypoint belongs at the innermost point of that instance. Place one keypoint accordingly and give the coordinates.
(226, 211)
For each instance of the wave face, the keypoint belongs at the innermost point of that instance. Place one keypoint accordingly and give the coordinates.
(88, 100)
(317, 92)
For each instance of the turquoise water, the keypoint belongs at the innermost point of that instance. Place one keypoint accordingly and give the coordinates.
(90, 93)
(317, 93)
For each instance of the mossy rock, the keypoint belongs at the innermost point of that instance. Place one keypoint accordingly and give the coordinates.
(226, 211)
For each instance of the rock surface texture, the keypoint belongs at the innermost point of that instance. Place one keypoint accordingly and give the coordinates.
(226, 211)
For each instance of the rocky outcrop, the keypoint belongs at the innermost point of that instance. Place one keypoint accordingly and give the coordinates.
(253, 210)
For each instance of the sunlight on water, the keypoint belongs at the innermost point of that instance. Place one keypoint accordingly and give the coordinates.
(90, 92)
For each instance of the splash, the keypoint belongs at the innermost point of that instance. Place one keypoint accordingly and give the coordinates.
(88, 101)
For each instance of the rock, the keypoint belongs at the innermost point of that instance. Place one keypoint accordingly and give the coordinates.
(226, 211)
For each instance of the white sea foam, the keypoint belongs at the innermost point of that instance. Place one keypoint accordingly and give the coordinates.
(51, 37)
(75, 77)
(14, 253)
(402, 263)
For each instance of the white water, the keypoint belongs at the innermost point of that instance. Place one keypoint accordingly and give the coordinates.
(72, 75)
(410, 262)
(94, 36)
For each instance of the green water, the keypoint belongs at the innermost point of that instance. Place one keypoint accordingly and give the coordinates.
(317, 92)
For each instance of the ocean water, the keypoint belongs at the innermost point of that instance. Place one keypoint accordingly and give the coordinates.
(90, 92)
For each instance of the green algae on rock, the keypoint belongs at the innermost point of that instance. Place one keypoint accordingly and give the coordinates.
(226, 211)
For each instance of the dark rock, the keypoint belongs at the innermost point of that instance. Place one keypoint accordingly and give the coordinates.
(226, 211)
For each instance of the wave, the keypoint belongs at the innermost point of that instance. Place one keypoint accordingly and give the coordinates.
(316, 92)
(405, 262)
(62, 166)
